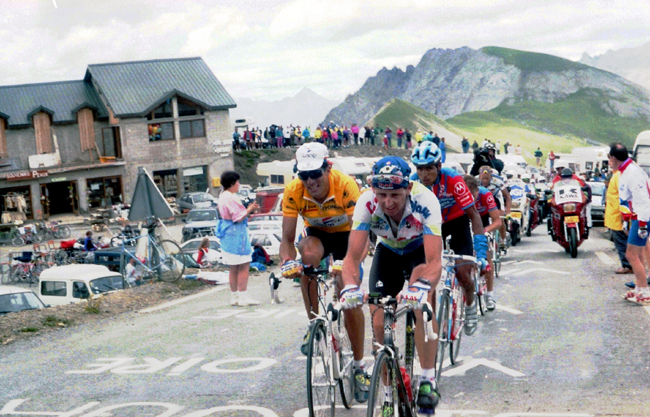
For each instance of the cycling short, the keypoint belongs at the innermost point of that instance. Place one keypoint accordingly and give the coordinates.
(334, 243)
(461, 235)
(633, 238)
(486, 220)
(389, 270)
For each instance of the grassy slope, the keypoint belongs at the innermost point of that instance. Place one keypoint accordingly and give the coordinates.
(532, 61)
(481, 125)
(399, 113)
(580, 114)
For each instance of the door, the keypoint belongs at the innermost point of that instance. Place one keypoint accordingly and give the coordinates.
(45, 201)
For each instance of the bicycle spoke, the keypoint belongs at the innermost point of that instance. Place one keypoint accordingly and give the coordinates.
(320, 389)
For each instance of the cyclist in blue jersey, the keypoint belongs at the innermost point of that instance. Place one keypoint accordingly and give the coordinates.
(406, 218)
(458, 211)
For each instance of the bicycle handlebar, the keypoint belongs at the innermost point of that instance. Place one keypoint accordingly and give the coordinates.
(427, 312)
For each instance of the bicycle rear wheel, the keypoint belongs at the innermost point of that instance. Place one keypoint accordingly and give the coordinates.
(443, 330)
(346, 360)
(62, 232)
(18, 241)
(169, 261)
(387, 367)
(457, 322)
(320, 389)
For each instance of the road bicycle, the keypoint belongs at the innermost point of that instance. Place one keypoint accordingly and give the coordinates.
(53, 229)
(451, 309)
(165, 258)
(24, 235)
(329, 357)
(392, 368)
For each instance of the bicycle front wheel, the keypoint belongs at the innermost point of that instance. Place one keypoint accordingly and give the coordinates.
(170, 263)
(457, 323)
(18, 241)
(346, 360)
(480, 287)
(320, 389)
(384, 377)
(443, 330)
(62, 232)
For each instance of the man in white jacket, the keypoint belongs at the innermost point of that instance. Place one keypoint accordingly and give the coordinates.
(634, 193)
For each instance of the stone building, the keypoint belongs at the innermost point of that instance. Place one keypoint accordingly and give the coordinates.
(75, 146)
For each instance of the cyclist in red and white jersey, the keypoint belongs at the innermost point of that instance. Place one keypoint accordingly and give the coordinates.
(457, 205)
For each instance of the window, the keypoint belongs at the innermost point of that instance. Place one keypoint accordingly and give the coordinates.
(86, 129)
(43, 133)
(161, 131)
(4, 153)
(192, 128)
(110, 144)
(79, 290)
(162, 112)
(53, 288)
(277, 179)
(101, 285)
(187, 108)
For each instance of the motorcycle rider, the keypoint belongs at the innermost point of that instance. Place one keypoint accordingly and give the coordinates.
(486, 156)
(458, 211)
(406, 218)
(634, 192)
(487, 208)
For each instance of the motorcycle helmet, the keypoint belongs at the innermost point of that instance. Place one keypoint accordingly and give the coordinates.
(490, 146)
(567, 173)
(426, 153)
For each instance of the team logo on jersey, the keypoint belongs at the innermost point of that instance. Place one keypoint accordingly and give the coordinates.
(460, 188)
(379, 284)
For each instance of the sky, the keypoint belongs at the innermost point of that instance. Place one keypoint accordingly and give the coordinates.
(270, 49)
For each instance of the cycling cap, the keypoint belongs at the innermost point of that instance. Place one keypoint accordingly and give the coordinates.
(310, 156)
(485, 169)
(390, 173)
(427, 153)
(567, 173)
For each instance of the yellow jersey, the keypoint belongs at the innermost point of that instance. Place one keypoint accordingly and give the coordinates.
(331, 215)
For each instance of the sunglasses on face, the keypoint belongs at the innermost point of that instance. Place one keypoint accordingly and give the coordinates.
(314, 175)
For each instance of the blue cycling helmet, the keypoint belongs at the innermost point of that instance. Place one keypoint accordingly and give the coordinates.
(426, 153)
(390, 173)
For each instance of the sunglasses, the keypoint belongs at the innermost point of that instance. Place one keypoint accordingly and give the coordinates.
(314, 175)
(389, 182)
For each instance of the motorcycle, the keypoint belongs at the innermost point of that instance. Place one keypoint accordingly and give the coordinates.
(568, 216)
(535, 215)
(520, 205)
(543, 199)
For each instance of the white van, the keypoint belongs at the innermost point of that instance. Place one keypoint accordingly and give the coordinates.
(641, 150)
(62, 285)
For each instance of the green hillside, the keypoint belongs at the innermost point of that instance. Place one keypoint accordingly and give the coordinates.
(532, 61)
(399, 113)
(581, 114)
(480, 125)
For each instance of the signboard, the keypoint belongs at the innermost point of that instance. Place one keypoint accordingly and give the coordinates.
(25, 175)
(59, 179)
(517, 192)
(568, 194)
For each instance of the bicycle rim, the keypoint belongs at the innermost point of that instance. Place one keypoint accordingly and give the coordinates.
(457, 323)
(170, 262)
(410, 350)
(481, 288)
(346, 359)
(320, 390)
(443, 331)
(384, 366)
(18, 241)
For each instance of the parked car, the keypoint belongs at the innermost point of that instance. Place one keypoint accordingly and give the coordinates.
(265, 225)
(269, 239)
(277, 217)
(191, 247)
(598, 193)
(200, 223)
(245, 197)
(14, 299)
(191, 201)
(62, 285)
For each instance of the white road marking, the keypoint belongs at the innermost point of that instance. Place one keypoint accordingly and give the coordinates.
(514, 271)
(647, 309)
(460, 370)
(605, 259)
(536, 250)
(527, 271)
(183, 300)
(509, 309)
(543, 415)
(529, 262)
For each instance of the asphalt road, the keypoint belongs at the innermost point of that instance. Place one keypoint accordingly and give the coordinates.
(561, 343)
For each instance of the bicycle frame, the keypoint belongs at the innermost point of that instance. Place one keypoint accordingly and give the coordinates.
(134, 242)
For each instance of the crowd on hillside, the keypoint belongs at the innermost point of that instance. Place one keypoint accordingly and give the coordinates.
(332, 135)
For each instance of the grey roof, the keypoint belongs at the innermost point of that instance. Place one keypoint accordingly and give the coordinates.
(135, 88)
(60, 99)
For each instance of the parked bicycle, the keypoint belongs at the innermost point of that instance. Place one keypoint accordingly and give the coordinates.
(25, 235)
(164, 258)
(394, 369)
(53, 229)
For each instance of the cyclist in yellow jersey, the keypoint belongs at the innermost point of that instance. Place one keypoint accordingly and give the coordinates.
(325, 198)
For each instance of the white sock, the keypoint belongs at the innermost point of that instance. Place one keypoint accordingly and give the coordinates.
(490, 293)
(428, 374)
(233, 294)
(243, 294)
(359, 364)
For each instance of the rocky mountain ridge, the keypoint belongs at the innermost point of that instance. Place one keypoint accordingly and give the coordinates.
(449, 82)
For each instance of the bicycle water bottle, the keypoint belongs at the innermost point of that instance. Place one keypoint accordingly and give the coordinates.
(407, 383)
